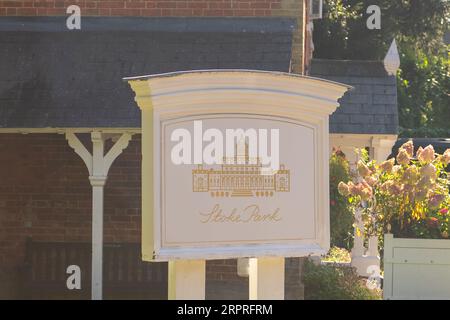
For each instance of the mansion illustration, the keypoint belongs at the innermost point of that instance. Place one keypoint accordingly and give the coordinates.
(240, 177)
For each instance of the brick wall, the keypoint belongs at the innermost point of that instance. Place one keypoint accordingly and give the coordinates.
(163, 8)
(45, 194)
(170, 8)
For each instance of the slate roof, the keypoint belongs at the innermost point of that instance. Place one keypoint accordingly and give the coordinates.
(53, 77)
(371, 108)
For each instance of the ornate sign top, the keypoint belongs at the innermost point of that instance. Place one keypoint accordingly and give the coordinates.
(253, 180)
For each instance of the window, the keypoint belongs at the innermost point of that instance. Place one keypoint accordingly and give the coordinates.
(315, 9)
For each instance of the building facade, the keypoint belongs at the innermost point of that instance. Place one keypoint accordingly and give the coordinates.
(61, 90)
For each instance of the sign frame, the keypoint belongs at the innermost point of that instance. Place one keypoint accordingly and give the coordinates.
(274, 95)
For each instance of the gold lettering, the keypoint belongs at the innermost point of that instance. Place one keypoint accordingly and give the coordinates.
(251, 213)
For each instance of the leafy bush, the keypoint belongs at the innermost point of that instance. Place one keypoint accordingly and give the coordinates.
(337, 255)
(411, 199)
(328, 282)
(341, 214)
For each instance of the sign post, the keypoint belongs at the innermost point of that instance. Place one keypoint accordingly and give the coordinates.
(235, 165)
(266, 279)
(187, 280)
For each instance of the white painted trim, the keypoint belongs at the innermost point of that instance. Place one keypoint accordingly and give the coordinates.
(98, 166)
(63, 130)
(241, 251)
(392, 59)
(416, 268)
(80, 149)
(115, 151)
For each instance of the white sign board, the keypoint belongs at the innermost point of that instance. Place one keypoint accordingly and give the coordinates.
(220, 204)
(235, 164)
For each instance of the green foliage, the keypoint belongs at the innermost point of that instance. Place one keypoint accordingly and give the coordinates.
(329, 282)
(418, 26)
(423, 92)
(337, 255)
(341, 215)
(343, 34)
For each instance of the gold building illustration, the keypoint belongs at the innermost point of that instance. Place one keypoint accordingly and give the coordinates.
(240, 177)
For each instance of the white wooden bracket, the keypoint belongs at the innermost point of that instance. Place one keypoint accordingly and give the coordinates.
(98, 165)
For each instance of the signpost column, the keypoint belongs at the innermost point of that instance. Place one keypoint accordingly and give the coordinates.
(187, 279)
(266, 279)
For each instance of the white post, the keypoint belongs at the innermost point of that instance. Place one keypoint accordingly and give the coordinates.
(98, 166)
(98, 180)
(358, 241)
(97, 236)
(372, 249)
(187, 279)
(266, 279)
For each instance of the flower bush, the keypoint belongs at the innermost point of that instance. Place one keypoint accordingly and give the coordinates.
(341, 214)
(408, 195)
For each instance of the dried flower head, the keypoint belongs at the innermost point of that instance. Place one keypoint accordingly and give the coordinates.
(426, 155)
(435, 201)
(403, 157)
(387, 165)
(372, 181)
(363, 170)
(446, 157)
(429, 171)
(409, 148)
(396, 168)
(343, 189)
(411, 174)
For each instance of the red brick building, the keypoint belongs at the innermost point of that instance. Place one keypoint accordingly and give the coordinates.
(55, 82)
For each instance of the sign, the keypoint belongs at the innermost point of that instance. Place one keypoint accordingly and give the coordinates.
(235, 164)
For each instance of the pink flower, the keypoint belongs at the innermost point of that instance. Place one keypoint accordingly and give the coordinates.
(362, 189)
(409, 148)
(419, 152)
(429, 171)
(443, 211)
(395, 189)
(411, 174)
(343, 189)
(396, 168)
(424, 183)
(421, 195)
(363, 170)
(371, 181)
(436, 200)
(446, 157)
(387, 165)
(427, 155)
(403, 157)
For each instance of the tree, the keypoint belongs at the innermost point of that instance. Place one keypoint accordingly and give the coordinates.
(419, 27)
(423, 94)
(343, 34)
